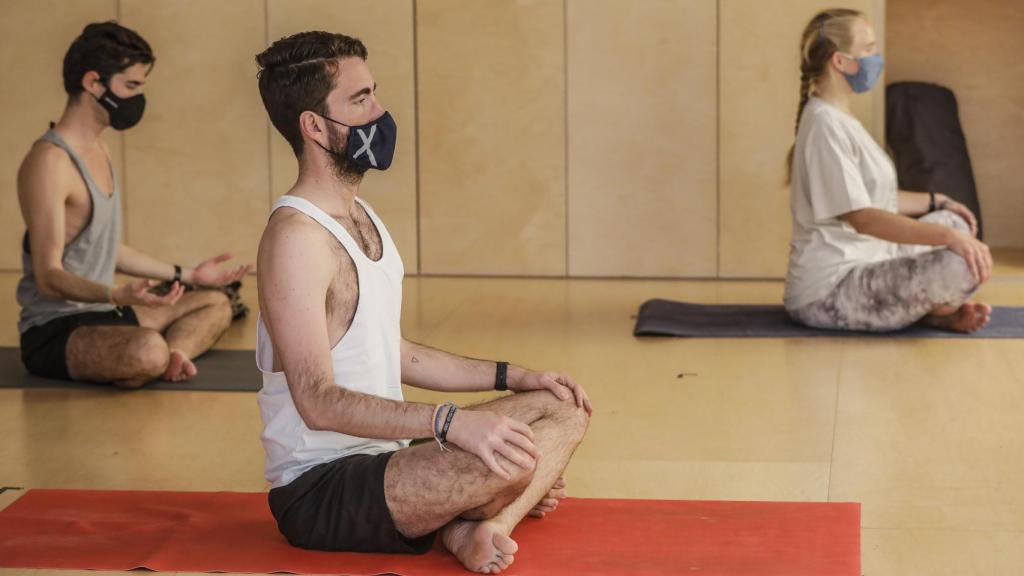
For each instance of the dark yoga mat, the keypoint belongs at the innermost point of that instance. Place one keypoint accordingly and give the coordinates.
(219, 370)
(668, 318)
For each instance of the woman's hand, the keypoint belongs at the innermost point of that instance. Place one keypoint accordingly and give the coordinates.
(974, 251)
(960, 210)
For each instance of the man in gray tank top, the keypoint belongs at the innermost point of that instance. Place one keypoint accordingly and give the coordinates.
(75, 322)
(336, 426)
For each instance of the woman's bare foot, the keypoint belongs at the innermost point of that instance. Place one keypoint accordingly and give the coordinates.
(967, 318)
(180, 368)
(479, 546)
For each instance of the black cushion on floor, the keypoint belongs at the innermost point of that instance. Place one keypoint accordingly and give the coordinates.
(922, 128)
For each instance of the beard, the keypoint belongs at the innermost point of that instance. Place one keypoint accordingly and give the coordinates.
(343, 168)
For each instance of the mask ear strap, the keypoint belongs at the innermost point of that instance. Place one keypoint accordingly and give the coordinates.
(335, 121)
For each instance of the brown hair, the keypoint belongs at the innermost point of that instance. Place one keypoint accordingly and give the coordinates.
(297, 73)
(830, 31)
(106, 48)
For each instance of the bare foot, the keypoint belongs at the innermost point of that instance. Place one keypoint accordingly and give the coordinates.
(550, 502)
(479, 546)
(180, 368)
(968, 318)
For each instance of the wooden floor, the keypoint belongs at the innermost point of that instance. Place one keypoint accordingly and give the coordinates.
(927, 434)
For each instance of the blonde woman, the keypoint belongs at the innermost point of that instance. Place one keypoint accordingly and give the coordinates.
(865, 255)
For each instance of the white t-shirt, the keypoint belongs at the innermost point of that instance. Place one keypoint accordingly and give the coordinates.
(837, 168)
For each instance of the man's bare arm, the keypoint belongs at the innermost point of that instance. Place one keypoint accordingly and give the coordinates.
(135, 263)
(433, 369)
(208, 273)
(294, 271)
(43, 185)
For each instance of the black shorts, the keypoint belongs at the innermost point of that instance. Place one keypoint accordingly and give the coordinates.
(44, 348)
(339, 506)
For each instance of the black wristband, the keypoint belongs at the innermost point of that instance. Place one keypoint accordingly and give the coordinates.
(931, 202)
(501, 377)
(177, 273)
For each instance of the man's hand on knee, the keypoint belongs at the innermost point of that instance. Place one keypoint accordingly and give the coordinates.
(558, 383)
(486, 435)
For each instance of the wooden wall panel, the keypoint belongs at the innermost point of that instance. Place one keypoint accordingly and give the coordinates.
(36, 34)
(491, 82)
(197, 165)
(386, 27)
(642, 137)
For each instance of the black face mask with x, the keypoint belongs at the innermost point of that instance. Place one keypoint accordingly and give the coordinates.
(370, 145)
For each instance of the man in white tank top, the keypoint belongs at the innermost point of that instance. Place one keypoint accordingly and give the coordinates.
(76, 323)
(336, 428)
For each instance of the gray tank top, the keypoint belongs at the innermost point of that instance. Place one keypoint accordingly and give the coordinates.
(92, 254)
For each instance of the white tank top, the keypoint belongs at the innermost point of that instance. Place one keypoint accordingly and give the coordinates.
(366, 359)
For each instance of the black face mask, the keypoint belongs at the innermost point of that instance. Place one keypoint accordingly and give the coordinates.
(370, 145)
(124, 112)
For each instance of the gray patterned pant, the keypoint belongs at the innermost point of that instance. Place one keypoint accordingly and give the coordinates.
(893, 294)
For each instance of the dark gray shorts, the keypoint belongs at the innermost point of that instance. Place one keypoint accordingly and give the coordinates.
(340, 506)
(44, 348)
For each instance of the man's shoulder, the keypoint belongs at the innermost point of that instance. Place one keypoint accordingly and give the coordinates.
(45, 169)
(292, 234)
(286, 220)
(45, 156)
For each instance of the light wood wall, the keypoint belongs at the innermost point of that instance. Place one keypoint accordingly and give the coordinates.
(974, 49)
(536, 137)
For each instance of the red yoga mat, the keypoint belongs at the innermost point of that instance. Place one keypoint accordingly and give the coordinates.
(234, 532)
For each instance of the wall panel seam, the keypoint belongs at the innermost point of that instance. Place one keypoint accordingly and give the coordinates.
(565, 127)
(416, 113)
(270, 132)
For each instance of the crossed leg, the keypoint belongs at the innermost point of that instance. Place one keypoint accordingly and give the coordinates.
(163, 345)
(965, 316)
(476, 510)
(190, 326)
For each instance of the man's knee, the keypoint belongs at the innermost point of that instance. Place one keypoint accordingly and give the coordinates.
(147, 351)
(215, 299)
(222, 305)
(215, 305)
(571, 417)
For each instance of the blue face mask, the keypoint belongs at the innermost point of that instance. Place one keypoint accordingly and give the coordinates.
(370, 145)
(870, 69)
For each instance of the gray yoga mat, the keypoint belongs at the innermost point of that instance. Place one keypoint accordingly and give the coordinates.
(219, 370)
(668, 318)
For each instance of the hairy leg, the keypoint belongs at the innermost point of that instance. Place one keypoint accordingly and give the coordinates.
(486, 546)
(427, 489)
(127, 356)
(190, 326)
